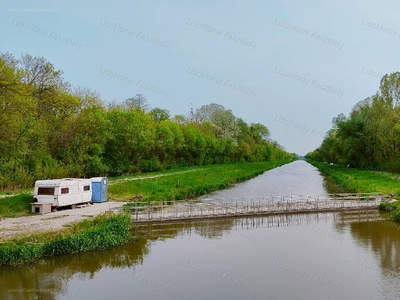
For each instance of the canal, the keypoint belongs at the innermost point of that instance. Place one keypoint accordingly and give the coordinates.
(342, 255)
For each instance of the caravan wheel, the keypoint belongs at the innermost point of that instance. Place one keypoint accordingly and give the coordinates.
(73, 206)
(54, 209)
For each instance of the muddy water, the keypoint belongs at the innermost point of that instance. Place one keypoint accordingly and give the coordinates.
(344, 255)
(297, 178)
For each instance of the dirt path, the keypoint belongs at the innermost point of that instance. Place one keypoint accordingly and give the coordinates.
(14, 227)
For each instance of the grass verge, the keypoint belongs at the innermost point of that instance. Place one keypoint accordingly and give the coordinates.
(358, 180)
(102, 232)
(15, 206)
(188, 185)
(365, 181)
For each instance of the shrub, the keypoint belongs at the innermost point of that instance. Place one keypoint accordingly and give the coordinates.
(109, 231)
(101, 233)
(396, 215)
(388, 206)
(14, 254)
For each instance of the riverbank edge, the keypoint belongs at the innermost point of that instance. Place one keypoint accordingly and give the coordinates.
(103, 232)
(350, 182)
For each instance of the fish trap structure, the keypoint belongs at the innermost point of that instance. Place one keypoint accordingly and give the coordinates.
(159, 211)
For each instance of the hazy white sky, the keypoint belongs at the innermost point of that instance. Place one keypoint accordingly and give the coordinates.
(291, 65)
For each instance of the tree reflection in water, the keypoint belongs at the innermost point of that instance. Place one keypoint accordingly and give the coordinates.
(383, 238)
(49, 277)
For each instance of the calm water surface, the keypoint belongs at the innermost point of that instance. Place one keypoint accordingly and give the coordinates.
(297, 178)
(343, 255)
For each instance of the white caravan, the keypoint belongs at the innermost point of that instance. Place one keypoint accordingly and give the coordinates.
(63, 192)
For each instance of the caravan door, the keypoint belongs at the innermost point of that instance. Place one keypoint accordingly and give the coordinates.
(80, 191)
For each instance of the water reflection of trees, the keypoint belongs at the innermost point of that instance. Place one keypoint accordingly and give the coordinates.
(383, 237)
(50, 277)
(373, 230)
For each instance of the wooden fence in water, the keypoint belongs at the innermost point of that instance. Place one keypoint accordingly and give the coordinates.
(222, 208)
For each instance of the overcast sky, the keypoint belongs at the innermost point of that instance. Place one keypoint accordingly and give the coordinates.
(290, 65)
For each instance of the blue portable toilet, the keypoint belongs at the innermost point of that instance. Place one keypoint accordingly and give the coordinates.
(99, 189)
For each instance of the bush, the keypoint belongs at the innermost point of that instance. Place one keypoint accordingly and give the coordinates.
(109, 231)
(15, 206)
(396, 215)
(13, 254)
(101, 233)
(389, 206)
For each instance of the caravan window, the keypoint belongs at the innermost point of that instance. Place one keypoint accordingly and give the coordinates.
(45, 191)
(64, 190)
(86, 188)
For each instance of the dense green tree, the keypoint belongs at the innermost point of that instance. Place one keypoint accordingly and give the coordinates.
(159, 114)
(370, 135)
(49, 129)
(131, 136)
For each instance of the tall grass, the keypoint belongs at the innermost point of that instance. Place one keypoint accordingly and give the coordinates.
(389, 206)
(396, 215)
(15, 206)
(15, 254)
(103, 232)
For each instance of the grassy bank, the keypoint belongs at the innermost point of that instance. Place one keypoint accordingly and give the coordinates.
(190, 183)
(365, 181)
(15, 206)
(100, 233)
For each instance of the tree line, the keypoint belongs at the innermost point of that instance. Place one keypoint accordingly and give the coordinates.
(369, 137)
(50, 129)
